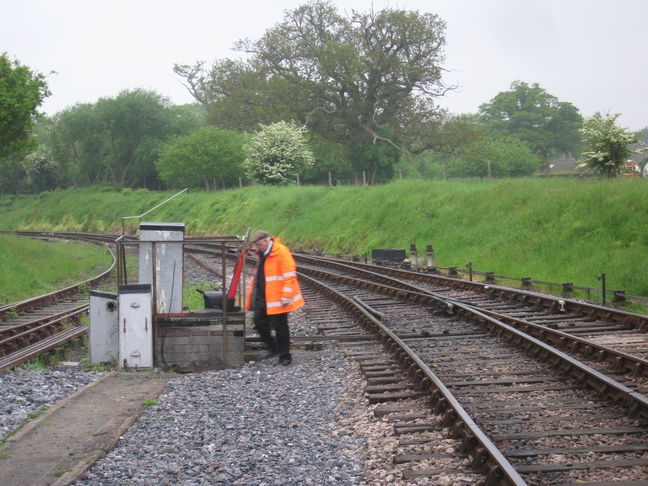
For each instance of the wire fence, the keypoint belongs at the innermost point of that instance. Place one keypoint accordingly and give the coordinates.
(570, 290)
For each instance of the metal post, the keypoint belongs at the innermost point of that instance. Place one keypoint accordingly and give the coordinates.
(601, 277)
(119, 262)
(225, 341)
(224, 284)
(123, 262)
(470, 270)
(154, 298)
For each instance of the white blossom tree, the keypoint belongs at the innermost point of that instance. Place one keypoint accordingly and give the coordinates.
(278, 153)
(606, 145)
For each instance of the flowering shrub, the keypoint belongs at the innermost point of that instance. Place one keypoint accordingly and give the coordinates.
(278, 153)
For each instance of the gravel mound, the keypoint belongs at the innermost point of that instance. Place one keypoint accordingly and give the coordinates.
(24, 392)
(262, 424)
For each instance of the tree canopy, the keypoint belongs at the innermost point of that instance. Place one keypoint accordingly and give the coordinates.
(22, 91)
(116, 140)
(204, 158)
(369, 77)
(531, 114)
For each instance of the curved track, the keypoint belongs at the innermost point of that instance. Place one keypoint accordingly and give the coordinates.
(472, 379)
(34, 326)
(526, 413)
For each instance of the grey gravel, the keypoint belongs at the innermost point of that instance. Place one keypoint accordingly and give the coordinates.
(24, 392)
(262, 424)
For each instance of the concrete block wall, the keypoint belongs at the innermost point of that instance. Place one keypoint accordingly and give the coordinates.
(194, 344)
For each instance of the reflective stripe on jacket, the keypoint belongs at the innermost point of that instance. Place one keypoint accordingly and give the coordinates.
(280, 281)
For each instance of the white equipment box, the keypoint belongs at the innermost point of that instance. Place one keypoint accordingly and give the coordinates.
(135, 326)
(168, 263)
(104, 323)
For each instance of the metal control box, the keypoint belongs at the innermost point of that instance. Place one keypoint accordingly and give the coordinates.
(135, 326)
(104, 322)
(168, 265)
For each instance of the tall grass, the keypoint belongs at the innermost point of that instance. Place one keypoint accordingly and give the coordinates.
(30, 267)
(561, 230)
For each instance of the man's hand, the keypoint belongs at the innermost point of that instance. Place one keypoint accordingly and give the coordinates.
(285, 301)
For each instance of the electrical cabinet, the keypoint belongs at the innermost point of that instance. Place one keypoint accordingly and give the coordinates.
(104, 333)
(135, 326)
(168, 265)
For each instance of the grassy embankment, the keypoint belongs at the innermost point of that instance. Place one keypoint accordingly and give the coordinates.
(564, 230)
(30, 267)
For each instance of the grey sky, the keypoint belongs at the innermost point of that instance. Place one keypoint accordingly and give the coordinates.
(591, 53)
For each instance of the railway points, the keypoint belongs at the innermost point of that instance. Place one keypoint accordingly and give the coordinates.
(477, 383)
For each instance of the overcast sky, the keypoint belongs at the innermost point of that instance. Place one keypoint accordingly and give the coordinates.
(591, 53)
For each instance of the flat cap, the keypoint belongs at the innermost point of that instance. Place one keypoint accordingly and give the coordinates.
(259, 235)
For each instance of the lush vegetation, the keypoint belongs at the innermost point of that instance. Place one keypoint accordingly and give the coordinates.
(31, 267)
(608, 145)
(566, 230)
(21, 92)
(361, 87)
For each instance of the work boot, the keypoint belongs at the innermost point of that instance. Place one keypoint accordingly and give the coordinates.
(269, 354)
(285, 361)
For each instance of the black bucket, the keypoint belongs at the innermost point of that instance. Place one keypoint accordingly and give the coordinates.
(214, 300)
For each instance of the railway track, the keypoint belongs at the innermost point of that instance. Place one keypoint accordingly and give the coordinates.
(471, 378)
(34, 326)
(523, 412)
(612, 341)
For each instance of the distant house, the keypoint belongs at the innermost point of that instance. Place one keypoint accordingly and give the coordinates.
(639, 153)
(635, 166)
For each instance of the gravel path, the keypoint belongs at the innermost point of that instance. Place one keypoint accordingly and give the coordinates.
(262, 424)
(24, 392)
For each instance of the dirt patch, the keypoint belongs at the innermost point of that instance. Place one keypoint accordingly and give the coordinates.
(60, 445)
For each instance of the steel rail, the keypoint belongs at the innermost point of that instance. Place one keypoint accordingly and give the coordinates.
(57, 294)
(24, 326)
(636, 403)
(44, 330)
(630, 319)
(45, 327)
(636, 365)
(43, 346)
(487, 458)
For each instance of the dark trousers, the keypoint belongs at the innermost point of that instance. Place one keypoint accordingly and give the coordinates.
(263, 323)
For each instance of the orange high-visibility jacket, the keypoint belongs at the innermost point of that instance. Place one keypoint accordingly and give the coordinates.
(280, 281)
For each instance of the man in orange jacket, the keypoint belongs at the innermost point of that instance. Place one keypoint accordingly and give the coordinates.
(273, 293)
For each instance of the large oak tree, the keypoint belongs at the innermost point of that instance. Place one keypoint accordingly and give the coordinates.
(360, 79)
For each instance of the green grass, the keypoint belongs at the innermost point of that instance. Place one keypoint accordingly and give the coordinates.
(557, 229)
(192, 299)
(30, 266)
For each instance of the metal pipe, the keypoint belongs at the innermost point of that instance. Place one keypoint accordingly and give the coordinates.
(152, 209)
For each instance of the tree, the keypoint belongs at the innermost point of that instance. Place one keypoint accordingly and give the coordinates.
(41, 170)
(12, 175)
(332, 162)
(77, 140)
(349, 79)
(606, 144)
(278, 153)
(117, 140)
(207, 156)
(21, 93)
(534, 116)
